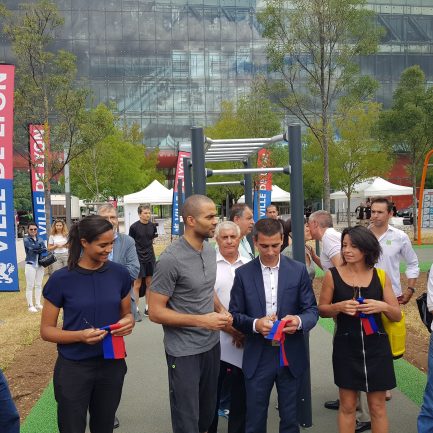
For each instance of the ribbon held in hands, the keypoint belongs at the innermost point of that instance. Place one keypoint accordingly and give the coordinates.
(277, 334)
(113, 345)
(367, 320)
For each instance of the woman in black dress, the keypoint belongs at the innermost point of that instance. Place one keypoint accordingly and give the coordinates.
(361, 361)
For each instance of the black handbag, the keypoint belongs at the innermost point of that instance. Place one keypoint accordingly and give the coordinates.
(46, 258)
(424, 313)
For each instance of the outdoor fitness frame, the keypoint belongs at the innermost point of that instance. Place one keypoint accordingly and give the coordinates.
(205, 149)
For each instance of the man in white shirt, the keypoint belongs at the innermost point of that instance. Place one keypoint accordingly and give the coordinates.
(242, 216)
(321, 229)
(227, 236)
(396, 246)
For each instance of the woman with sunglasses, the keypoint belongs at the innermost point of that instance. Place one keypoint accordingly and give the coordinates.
(361, 358)
(33, 246)
(93, 293)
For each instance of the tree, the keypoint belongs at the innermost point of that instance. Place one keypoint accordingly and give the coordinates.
(358, 154)
(45, 91)
(114, 165)
(22, 191)
(253, 117)
(313, 45)
(408, 125)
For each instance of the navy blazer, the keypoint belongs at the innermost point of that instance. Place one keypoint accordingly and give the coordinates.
(295, 296)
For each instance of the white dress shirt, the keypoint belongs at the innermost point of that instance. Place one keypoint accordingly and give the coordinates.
(396, 247)
(223, 286)
(331, 246)
(270, 283)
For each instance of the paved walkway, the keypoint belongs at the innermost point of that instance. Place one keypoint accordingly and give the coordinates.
(145, 407)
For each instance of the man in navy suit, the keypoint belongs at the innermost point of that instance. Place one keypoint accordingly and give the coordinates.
(268, 288)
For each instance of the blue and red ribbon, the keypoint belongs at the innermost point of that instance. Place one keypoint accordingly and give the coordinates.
(277, 334)
(367, 320)
(113, 345)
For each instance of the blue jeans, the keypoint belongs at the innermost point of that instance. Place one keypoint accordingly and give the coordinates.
(9, 418)
(425, 417)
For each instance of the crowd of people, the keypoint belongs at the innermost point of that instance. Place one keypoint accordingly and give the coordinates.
(227, 315)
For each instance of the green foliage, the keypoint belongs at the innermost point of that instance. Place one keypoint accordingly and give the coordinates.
(358, 155)
(22, 191)
(254, 117)
(45, 83)
(408, 126)
(313, 45)
(113, 165)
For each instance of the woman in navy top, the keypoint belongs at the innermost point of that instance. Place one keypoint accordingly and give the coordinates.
(93, 292)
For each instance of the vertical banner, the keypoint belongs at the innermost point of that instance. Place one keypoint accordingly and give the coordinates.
(180, 174)
(263, 191)
(8, 250)
(37, 173)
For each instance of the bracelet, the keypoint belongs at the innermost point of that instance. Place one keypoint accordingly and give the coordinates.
(412, 289)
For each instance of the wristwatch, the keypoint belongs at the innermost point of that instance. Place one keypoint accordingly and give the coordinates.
(412, 289)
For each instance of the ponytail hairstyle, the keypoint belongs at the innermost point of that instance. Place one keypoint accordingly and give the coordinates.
(89, 228)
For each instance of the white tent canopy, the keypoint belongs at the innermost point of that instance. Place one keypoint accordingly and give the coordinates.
(153, 194)
(374, 187)
(278, 195)
(381, 187)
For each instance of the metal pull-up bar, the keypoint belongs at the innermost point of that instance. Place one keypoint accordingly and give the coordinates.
(210, 172)
(268, 140)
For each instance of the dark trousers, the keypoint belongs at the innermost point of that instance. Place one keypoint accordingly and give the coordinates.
(259, 387)
(237, 414)
(9, 418)
(93, 385)
(193, 382)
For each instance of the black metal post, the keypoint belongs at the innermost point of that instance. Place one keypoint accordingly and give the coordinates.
(248, 194)
(297, 213)
(187, 177)
(180, 204)
(198, 162)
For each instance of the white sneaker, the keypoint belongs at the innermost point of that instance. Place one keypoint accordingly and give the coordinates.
(33, 309)
(39, 306)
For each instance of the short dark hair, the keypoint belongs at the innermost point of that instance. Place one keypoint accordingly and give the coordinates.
(238, 210)
(267, 227)
(143, 207)
(382, 200)
(32, 223)
(365, 241)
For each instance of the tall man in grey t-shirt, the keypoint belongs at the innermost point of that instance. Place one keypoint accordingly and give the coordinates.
(183, 301)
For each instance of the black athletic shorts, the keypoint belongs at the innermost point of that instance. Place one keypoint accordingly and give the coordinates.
(146, 269)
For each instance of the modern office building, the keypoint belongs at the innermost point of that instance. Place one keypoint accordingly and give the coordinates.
(168, 65)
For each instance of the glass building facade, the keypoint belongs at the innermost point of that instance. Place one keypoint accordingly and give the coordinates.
(168, 65)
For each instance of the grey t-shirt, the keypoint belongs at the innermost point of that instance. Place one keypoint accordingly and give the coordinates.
(187, 277)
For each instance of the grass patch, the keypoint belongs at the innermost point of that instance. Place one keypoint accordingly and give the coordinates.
(43, 417)
(18, 327)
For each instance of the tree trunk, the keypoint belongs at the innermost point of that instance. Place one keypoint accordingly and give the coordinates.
(326, 182)
(349, 222)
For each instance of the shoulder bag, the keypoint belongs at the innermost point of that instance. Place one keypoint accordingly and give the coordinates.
(424, 313)
(396, 330)
(46, 258)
